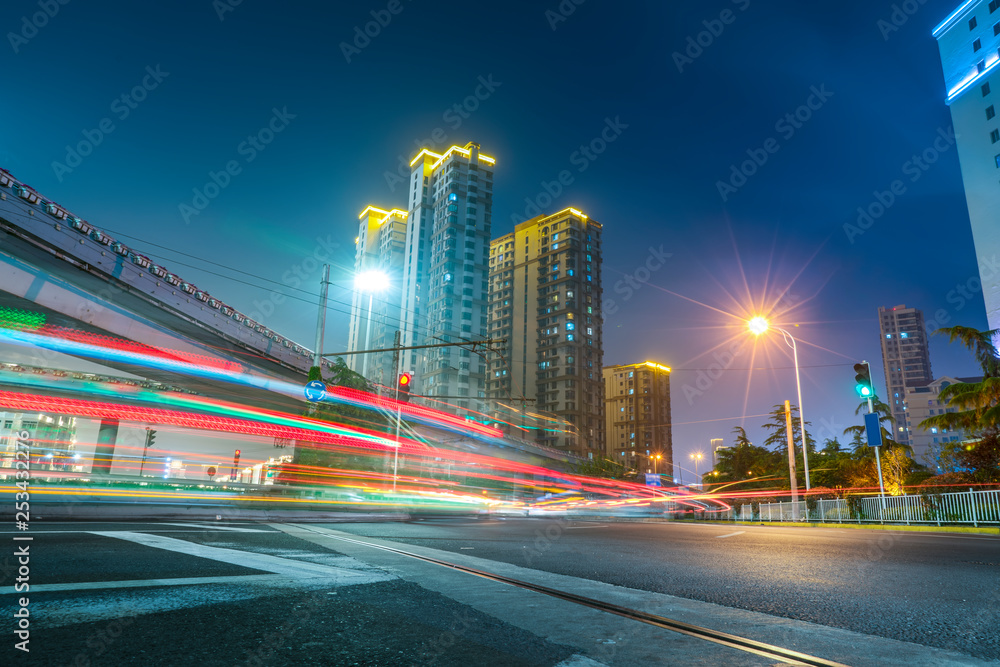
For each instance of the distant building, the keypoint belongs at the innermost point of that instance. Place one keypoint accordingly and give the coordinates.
(545, 300)
(715, 444)
(905, 360)
(922, 402)
(968, 40)
(375, 317)
(637, 411)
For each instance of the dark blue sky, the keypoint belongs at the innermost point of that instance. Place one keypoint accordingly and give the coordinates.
(552, 91)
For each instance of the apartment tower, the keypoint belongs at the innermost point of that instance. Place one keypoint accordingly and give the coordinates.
(637, 413)
(545, 300)
(376, 308)
(905, 360)
(969, 40)
(445, 291)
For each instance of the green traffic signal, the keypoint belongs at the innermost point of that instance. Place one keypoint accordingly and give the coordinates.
(863, 378)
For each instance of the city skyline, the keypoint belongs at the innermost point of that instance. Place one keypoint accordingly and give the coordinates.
(687, 240)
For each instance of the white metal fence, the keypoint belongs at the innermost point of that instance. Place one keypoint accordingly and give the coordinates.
(966, 507)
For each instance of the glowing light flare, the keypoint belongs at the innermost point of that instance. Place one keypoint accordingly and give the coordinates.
(758, 325)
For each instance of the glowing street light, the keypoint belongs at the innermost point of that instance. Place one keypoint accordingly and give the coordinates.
(370, 281)
(758, 325)
(696, 457)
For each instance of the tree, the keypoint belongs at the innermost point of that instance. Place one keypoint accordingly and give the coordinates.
(976, 410)
(746, 461)
(603, 467)
(778, 433)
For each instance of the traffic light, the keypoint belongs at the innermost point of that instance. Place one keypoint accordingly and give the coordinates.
(236, 458)
(863, 380)
(150, 437)
(403, 386)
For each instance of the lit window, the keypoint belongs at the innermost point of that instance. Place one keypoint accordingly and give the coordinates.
(888, 335)
(904, 335)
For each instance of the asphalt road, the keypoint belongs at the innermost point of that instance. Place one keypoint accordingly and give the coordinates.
(935, 589)
(173, 593)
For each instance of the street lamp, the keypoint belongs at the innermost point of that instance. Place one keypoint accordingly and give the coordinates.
(371, 281)
(758, 325)
(696, 458)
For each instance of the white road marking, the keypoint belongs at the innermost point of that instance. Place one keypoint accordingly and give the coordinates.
(575, 527)
(739, 532)
(210, 526)
(140, 583)
(285, 566)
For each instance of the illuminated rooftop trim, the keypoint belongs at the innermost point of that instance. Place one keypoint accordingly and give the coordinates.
(655, 365)
(394, 213)
(955, 15)
(962, 87)
(440, 158)
(376, 209)
(570, 210)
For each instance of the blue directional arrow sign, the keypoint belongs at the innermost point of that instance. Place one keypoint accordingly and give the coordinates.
(315, 391)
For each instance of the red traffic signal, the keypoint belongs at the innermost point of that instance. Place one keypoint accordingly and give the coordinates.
(236, 457)
(403, 386)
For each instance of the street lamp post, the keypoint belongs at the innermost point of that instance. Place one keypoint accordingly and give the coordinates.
(759, 325)
(696, 458)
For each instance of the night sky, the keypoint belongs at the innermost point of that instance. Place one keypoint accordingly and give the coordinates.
(211, 75)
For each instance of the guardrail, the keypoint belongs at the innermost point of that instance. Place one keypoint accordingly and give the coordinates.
(964, 507)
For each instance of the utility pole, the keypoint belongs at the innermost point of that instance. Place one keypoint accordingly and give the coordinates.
(791, 461)
(321, 318)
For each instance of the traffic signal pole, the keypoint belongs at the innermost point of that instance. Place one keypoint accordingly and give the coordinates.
(878, 465)
(399, 417)
(866, 389)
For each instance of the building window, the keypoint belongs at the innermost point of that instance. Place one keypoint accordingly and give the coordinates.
(976, 45)
(986, 86)
(997, 158)
(995, 136)
(994, 5)
(990, 112)
(972, 23)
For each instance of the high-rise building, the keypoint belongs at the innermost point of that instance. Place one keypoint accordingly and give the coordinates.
(716, 444)
(375, 313)
(922, 401)
(906, 360)
(545, 299)
(445, 289)
(637, 414)
(969, 40)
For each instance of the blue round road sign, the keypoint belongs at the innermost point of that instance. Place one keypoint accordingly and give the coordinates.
(315, 391)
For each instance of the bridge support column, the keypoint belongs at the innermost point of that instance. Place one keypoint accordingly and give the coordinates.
(104, 452)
